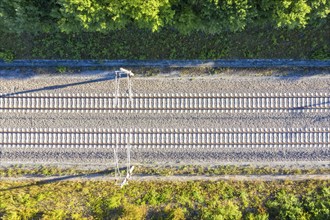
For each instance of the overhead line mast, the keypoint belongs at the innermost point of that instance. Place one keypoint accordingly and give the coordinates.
(129, 168)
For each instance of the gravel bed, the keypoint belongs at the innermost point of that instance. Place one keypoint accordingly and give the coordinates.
(104, 83)
(166, 156)
(164, 121)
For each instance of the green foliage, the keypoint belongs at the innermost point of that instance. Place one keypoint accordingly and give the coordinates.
(320, 9)
(175, 213)
(103, 16)
(152, 198)
(208, 16)
(6, 56)
(103, 208)
(321, 53)
(41, 170)
(169, 44)
(55, 214)
(318, 204)
(164, 29)
(208, 200)
(286, 206)
(291, 14)
(116, 207)
(211, 16)
(21, 206)
(61, 69)
(287, 13)
(251, 216)
(33, 16)
(226, 211)
(131, 211)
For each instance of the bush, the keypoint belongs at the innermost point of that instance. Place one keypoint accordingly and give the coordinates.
(218, 211)
(318, 204)
(285, 206)
(251, 216)
(131, 211)
(6, 56)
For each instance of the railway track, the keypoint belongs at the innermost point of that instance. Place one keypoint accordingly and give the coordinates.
(166, 138)
(163, 103)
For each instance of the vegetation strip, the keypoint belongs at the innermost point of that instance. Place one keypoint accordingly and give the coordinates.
(237, 63)
(15, 171)
(166, 200)
(163, 29)
(181, 178)
(261, 43)
(53, 198)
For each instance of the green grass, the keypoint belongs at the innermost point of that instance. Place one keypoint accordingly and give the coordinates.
(44, 171)
(309, 43)
(165, 200)
(40, 171)
(227, 170)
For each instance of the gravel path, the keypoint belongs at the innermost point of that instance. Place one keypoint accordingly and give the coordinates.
(104, 83)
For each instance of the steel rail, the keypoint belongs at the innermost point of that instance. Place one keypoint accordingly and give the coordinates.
(166, 138)
(165, 95)
(226, 102)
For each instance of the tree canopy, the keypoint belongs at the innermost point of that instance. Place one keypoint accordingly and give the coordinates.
(209, 16)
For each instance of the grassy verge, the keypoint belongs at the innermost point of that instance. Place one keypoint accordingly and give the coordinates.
(44, 171)
(228, 170)
(165, 200)
(309, 43)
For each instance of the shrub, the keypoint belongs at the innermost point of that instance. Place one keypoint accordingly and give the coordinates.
(218, 211)
(285, 206)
